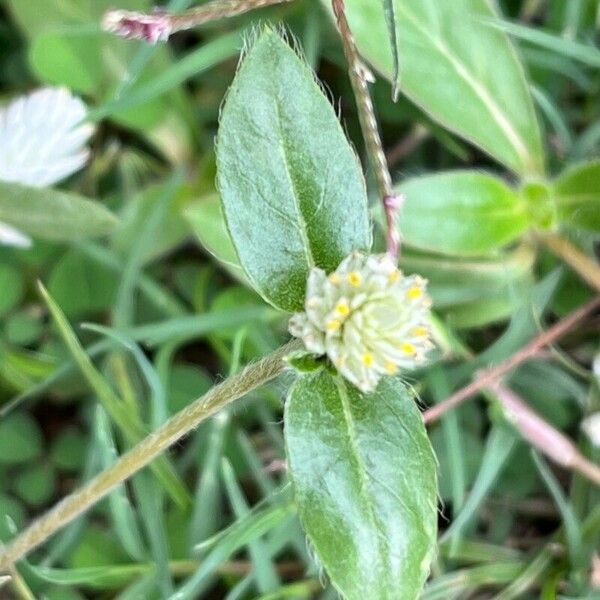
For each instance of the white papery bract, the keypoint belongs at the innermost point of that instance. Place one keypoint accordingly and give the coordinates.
(367, 317)
(42, 141)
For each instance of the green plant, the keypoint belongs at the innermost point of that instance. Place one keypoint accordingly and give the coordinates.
(292, 219)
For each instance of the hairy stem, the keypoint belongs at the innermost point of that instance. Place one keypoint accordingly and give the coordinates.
(359, 78)
(159, 25)
(490, 376)
(148, 449)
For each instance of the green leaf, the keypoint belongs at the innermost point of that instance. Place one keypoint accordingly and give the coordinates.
(208, 224)
(53, 215)
(292, 188)
(459, 70)
(453, 281)
(68, 450)
(96, 287)
(11, 288)
(20, 439)
(364, 476)
(464, 213)
(577, 196)
(36, 484)
(68, 58)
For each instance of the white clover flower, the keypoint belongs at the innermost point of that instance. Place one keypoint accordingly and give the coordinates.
(42, 141)
(367, 317)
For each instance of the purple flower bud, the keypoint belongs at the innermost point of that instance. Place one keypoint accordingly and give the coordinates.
(138, 26)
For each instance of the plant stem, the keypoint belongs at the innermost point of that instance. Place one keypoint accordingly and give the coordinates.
(546, 438)
(148, 449)
(490, 376)
(359, 78)
(587, 268)
(158, 26)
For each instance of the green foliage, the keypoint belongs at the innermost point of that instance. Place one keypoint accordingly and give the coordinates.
(462, 213)
(291, 185)
(577, 196)
(53, 215)
(462, 72)
(228, 512)
(365, 480)
(20, 440)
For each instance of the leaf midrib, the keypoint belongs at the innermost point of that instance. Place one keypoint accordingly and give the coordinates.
(462, 70)
(301, 225)
(384, 552)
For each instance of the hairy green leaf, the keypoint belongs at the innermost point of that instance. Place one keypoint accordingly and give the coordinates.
(292, 188)
(461, 212)
(364, 476)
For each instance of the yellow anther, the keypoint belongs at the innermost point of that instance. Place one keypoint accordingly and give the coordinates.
(333, 325)
(414, 293)
(391, 367)
(354, 278)
(420, 331)
(334, 278)
(342, 309)
(367, 359)
(394, 276)
(407, 348)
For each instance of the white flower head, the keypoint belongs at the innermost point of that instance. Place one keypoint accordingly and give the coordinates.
(42, 140)
(367, 317)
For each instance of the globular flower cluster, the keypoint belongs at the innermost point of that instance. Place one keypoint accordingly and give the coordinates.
(367, 317)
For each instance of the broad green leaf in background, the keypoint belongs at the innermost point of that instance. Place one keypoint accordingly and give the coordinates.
(53, 215)
(364, 476)
(292, 188)
(459, 70)
(453, 281)
(464, 213)
(577, 196)
(206, 220)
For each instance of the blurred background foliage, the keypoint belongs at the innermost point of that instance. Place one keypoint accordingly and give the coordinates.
(511, 525)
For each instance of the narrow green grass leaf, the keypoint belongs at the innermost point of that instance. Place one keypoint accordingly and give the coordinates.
(207, 56)
(499, 446)
(131, 427)
(391, 18)
(586, 54)
(243, 531)
(123, 514)
(265, 573)
(572, 526)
